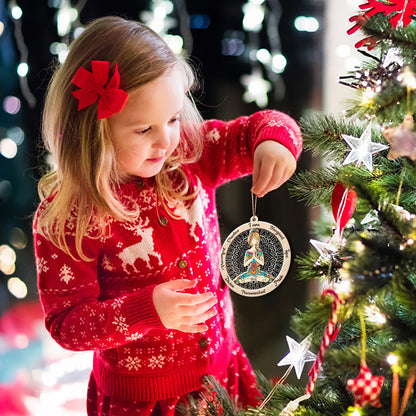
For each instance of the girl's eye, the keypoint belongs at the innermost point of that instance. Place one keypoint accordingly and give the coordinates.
(144, 131)
(174, 120)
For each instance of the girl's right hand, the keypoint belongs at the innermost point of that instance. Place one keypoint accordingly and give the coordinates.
(185, 312)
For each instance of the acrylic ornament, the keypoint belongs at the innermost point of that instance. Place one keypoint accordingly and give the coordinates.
(255, 258)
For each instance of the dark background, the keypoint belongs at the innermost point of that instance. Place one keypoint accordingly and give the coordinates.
(263, 322)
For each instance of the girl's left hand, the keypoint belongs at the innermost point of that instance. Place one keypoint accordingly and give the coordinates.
(273, 165)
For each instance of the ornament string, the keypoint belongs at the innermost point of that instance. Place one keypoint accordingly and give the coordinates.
(272, 391)
(254, 207)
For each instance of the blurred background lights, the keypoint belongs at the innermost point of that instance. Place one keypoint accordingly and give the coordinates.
(7, 259)
(232, 45)
(60, 49)
(16, 134)
(11, 104)
(1, 27)
(306, 24)
(15, 11)
(253, 17)
(264, 56)
(17, 238)
(279, 63)
(66, 16)
(343, 51)
(175, 42)
(199, 21)
(78, 31)
(8, 148)
(17, 287)
(22, 69)
(392, 359)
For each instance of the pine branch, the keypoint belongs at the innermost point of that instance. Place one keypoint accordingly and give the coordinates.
(313, 187)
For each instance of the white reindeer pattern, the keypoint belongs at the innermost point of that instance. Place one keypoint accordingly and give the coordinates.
(143, 249)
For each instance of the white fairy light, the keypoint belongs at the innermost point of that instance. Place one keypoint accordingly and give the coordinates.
(392, 359)
(256, 88)
(8, 148)
(279, 63)
(175, 42)
(374, 315)
(1, 27)
(7, 259)
(22, 69)
(253, 17)
(17, 287)
(66, 16)
(15, 11)
(306, 24)
(264, 56)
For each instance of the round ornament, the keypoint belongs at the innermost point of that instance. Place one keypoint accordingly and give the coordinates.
(255, 258)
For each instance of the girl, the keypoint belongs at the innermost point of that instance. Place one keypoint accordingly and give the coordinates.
(126, 235)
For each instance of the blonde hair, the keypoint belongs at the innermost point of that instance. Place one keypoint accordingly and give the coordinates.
(87, 172)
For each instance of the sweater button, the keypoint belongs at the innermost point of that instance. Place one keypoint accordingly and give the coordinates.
(182, 264)
(140, 183)
(163, 221)
(203, 343)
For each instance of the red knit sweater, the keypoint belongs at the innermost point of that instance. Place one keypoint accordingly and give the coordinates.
(106, 304)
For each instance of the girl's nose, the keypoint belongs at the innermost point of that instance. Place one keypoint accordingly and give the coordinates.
(162, 140)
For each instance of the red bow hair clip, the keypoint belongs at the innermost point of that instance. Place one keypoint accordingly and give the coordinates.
(95, 86)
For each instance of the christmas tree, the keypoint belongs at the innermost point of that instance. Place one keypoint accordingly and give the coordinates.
(362, 327)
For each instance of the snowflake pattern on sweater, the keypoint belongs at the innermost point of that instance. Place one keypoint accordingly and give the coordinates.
(106, 304)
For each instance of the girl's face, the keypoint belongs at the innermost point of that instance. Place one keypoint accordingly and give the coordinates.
(146, 132)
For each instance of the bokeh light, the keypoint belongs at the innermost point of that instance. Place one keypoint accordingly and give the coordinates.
(17, 287)
(11, 104)
(8, 148)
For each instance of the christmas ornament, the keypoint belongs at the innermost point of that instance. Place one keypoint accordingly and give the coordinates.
(375, 79)
(326, 251)
(298, 354)
(400, 12)
(255, 257)
(330, 334)
(366, 388)
(343, 204)
(362, 148)
(402, 139)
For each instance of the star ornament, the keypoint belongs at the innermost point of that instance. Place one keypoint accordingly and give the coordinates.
(362, 149)
(366, 388)
(298, 354)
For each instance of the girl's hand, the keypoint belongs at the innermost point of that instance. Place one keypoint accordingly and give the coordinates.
(185, 312)
(273, 165)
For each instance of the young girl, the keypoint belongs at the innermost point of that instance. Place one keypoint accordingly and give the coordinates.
(126, 236)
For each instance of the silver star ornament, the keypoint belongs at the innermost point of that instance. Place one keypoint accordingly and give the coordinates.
(362, 149)
(298, 354)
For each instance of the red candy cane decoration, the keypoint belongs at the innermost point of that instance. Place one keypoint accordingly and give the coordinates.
(330, 334)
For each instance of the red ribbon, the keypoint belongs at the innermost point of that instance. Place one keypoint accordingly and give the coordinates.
(95, 86)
